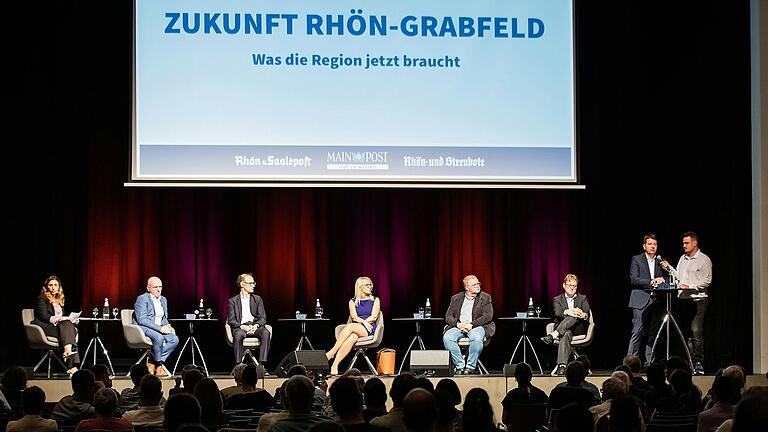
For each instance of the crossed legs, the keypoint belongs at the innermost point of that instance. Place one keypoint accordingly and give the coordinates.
(344, 343)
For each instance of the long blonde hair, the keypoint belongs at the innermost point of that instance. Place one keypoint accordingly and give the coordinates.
(362, 280)
(54, 299)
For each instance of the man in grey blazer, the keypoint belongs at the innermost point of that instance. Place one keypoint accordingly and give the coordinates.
(470, 314)
(571, 319)
(644, 272)
(246, 317)
(151, 314)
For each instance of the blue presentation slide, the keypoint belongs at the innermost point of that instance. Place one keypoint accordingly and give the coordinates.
(392, 91)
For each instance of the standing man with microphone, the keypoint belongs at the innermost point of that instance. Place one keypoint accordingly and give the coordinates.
(645, 271)
(694, 269)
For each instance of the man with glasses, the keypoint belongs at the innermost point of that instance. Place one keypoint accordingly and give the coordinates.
(151, 314)
(246, 317)
(571, 319)
(469, 315)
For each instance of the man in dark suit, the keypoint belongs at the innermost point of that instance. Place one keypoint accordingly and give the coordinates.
(470, 315)
(571, 319)
(246, 318)
(644, 272)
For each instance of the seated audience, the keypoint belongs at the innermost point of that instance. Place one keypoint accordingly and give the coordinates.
(129, 397)
(419, 410)
(446, 411)
(320, 388)
(325, 426)
(237, 374)
(181, 410)
(625, 376)
(425, 383)
(525, 393)
(299, 394)
(725, 395)
(572, 391)
(584, 383)
(639, 387)
(612, 389)
(478, 414)
(401, 385)
(751, 412)
(251, 397)
(150, 411)
(685, 399)
(104, 379)
(375, 395)
(32, 400)
(79, 406)
(211, 404)
(660, 390)
(14, 382)
(105, 404)
(190, 376)
(734, 371)
(348, 404)
(448, 385)
(625, 415)
(574, 417)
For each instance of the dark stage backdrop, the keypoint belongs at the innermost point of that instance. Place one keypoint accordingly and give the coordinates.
(664, 147)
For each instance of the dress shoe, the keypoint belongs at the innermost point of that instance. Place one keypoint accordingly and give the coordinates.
(162, 372)
(698, 369)
(458, 371)
(471, 371)
(151, 368)
(559, 370)
(548, 339)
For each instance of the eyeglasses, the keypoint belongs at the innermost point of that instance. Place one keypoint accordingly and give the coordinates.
(473, 285)
(367, 285)
(250, 283)
(572, 285)
(156, 287)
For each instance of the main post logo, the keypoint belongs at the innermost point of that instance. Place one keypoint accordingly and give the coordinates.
(351, 160)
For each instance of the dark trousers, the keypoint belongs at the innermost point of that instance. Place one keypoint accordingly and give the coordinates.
(66, 333)
(567, 329)
(645, 324)
(238, 336)
(696, 342)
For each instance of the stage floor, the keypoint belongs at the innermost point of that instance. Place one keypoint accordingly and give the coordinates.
(494, 384)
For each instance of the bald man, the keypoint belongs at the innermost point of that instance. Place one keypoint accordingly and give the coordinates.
(151, 314)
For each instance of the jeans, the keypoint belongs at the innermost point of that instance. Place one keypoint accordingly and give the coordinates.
(696, 343)
(162, 344)
(476, 336)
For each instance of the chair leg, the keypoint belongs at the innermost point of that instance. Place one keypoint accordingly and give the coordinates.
(361, 351)
(147, 352)
(481, 367)
(49, 355)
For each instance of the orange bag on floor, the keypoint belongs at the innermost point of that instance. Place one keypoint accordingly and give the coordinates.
(385, 361)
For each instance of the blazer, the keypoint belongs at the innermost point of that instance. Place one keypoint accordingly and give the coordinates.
(43, 313)
(482, 312)
(235, 311)
(560, 304)
(144, 312)
(640, 278)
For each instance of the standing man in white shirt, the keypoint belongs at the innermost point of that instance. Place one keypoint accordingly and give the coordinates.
(246, 317)
(151, 314)
(694, 270)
